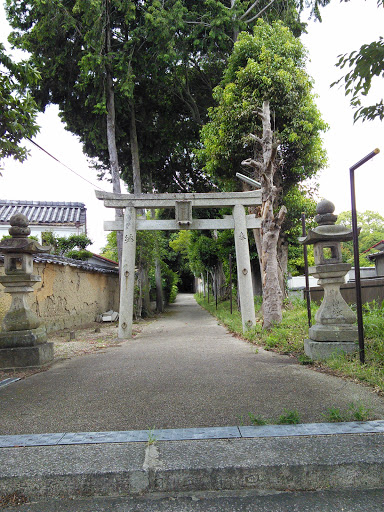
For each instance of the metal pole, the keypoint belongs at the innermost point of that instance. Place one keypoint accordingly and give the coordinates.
(307, 289)
(360, 325)
(230, 280)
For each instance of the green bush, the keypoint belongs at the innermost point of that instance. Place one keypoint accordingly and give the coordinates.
(81, 254)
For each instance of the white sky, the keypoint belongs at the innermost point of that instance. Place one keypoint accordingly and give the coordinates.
(345, 27)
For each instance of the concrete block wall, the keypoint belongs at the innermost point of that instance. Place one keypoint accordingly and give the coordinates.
(68, 296)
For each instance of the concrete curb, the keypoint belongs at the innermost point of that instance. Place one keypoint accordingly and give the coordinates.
(354, 461)
(191, 434)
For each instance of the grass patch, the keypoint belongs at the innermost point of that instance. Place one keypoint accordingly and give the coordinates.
(355, 412)
(289, 418)
(285, 338)
(288, 338)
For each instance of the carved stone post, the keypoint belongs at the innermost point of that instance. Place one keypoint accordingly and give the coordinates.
(127, 274)
(244, 276)
(335, 329)
(23, 338)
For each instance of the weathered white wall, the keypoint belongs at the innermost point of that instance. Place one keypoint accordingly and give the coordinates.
(68, 296)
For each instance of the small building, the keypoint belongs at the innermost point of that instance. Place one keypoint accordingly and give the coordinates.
(61, 218)
(377, 257)
(100, 261)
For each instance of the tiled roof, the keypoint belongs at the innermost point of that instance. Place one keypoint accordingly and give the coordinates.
(62, 260)
(379, 246)
(44, 212)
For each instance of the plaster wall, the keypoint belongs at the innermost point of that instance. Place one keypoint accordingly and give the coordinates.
(68, 296)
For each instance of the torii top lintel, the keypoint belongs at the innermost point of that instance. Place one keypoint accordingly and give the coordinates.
(198, 200)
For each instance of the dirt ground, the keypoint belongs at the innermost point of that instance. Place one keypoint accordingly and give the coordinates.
(91, 338)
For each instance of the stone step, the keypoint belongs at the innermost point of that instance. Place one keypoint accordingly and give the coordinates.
(220, 501)
(264, 464)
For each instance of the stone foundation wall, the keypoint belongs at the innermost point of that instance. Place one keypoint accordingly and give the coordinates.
(371, 289)
(68, 296)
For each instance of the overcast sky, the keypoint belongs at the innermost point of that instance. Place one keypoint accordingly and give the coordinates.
(345, 27)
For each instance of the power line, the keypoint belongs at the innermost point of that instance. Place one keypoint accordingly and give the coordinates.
(66, 166)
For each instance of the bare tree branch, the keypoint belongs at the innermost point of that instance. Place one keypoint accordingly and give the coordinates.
(198, 23)
(256, 138)
(281, 215)
(253, 163)
(249, 10)
(259, 13)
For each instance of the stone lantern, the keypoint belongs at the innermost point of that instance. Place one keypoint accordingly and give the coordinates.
(22, 338)
(335, 330)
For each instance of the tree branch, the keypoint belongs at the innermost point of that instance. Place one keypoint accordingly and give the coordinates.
(281, 215)
(260, 13)
(249, 10)
(256, 138)
(198, 23)
(253, 163)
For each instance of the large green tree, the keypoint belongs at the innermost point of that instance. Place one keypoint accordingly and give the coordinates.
(134, 79)
(266, 111)
(18, 109)
(147, 69)
(372, 232)
(364, 66)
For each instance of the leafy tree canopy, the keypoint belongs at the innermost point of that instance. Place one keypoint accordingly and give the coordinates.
(72, 246)
(17, 107)
(364, 65)
(372, 232)
(165, 59)
(269, 65)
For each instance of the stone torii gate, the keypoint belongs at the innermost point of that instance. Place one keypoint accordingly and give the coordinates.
(183, 204)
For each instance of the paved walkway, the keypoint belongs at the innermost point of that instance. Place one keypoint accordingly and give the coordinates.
(182, 371)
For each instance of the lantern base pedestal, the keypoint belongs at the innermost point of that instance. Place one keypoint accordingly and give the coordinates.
(26, 357)
(339, 333)
(323, 350)
(25, 338)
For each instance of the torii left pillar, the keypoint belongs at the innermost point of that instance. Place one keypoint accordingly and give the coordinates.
(127, 274)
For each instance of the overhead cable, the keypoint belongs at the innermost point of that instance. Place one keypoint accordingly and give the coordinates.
(66, 166)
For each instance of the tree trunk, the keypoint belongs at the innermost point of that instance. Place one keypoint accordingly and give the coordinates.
(272, 294)
(135, 153)
(137, 189)
(282, 258)
(159, 287)
(158, 278)
(111, 132)
(270, 222)
(146, 302)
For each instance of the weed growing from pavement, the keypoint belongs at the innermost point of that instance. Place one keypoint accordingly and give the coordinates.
(333, 415)
(355, 412)
(288, 338)
(289, 418)
(151, 436)
(257, 419)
